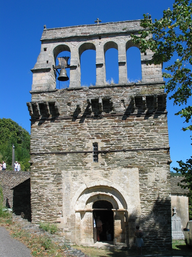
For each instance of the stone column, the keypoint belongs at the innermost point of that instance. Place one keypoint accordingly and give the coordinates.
(87, 228)
(100, 65)
(117, 227)
(77, 227)
(122, 63)
(75, 71)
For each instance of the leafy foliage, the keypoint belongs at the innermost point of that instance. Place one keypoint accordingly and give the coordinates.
(3, 212)
(186, 171)
(46, 243)
(51, 228)
(13, 134)
(190, 205)
(1, 201)
(170, 39)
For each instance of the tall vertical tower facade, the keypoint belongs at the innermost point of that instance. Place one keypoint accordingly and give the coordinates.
(100, 151)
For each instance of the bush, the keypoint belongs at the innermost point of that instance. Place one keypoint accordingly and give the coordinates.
(3, 211)
(46, 243)
(51, 228)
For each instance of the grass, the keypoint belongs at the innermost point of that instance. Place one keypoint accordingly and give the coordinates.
(44, 246)
(3, 211)
(95, 252)
(51, 228)
(178, 248)
(39, 245)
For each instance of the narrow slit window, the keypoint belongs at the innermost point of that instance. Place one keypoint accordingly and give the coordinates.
(95, 152)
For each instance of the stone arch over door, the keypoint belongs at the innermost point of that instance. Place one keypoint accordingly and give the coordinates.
(84, 210)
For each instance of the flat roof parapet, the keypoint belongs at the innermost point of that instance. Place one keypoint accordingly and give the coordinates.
(92, 30)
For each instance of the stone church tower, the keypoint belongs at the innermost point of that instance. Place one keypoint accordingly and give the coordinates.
(99, 151)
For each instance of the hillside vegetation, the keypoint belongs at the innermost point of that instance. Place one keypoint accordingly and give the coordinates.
(13, 134)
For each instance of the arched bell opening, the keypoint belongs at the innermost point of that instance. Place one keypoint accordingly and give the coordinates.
(111, 62)
(62, 57)
(133, 57)
(87, 59)
(103, 230)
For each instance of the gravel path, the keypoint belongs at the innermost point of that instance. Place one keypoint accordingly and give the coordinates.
(10, 247)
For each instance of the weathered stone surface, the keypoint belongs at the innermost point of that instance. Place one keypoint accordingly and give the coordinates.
(16, 192)
(180, 200)
(128, 121)
(9, 180)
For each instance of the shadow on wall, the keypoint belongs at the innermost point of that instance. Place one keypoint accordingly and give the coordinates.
(21, 200)
(156, 226)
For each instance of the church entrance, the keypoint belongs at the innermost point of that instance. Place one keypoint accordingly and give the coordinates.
(103, 227)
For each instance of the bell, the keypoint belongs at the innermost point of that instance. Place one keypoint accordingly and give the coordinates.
(63, 75)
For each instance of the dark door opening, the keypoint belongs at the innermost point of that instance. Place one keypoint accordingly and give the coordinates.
(103, 212)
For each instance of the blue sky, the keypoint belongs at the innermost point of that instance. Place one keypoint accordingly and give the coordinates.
(21, 27)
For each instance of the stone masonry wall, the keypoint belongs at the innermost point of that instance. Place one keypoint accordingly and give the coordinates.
(98, 37)
(9, 180)
(128, 137)
(127, 125)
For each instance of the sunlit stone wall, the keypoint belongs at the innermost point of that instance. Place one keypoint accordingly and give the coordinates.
(128, 121)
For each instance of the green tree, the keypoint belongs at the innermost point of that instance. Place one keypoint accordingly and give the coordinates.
(13, 134)
(185, 169)
(170, 40)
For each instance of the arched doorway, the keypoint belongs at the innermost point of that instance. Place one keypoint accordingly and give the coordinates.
(103, 221)
(105, 201)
